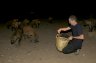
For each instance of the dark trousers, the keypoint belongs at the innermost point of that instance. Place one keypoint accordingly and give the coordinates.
(72, 46)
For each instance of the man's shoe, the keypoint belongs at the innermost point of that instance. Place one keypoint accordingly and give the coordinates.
(77, 52)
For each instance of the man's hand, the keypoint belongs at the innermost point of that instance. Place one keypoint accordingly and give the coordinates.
(59, 30)
(63, 29)
(70, 38)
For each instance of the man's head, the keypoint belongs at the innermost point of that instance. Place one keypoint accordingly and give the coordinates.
(72, 20)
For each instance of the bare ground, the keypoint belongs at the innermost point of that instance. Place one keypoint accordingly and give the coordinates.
(45, 51)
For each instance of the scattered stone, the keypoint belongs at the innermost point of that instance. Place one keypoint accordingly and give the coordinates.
(9, 60)
(1, 55)
(83, 55)
(29, 54)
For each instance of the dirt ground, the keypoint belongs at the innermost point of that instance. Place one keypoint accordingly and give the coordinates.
(45, 51)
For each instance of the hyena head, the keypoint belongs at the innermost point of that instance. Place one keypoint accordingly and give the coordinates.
(29, 32)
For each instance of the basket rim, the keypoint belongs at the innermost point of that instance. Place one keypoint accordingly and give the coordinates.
(61, 37)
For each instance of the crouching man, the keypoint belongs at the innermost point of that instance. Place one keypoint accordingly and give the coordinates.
(77, 37)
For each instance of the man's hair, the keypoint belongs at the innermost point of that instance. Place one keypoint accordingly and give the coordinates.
(73, 17)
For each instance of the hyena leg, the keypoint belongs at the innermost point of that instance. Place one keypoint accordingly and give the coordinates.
(94, 27)
(36, 38)
(38, 25)
(32, 25)
(25, 36)
(12, 28)
(19, 40)
(90, 28)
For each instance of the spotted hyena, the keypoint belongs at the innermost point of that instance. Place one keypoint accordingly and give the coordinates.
(29, 32)
(91, 23)
(35, 23)
(16, 37)
(13, 24)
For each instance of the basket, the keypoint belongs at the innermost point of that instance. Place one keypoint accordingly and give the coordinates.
(61, 42)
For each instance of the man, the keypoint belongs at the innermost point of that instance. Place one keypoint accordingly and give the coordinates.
(77, 37)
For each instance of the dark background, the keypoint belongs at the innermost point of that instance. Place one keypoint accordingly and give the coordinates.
(44, 9)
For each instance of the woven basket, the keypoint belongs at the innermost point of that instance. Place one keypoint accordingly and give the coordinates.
(61, 42)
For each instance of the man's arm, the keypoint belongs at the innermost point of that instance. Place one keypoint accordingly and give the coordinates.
(64, 29)
(79, 37)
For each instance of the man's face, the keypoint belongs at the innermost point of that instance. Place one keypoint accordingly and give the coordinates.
(70, 21)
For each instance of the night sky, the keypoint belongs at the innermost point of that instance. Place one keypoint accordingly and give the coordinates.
(44, 10)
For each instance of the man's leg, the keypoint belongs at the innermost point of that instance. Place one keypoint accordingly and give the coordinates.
(77, 52)
(78, 46)
(69, 49)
